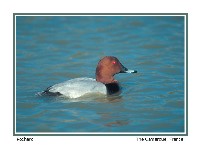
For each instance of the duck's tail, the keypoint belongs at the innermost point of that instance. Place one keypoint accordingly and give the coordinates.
(47, 92)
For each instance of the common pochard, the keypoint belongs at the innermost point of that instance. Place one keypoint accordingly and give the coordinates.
(103, 84)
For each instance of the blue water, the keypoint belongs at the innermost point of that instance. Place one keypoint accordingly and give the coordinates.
(53, 49)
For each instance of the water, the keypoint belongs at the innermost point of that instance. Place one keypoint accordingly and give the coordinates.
(53, 49)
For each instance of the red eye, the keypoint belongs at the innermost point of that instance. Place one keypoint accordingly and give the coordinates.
(114, 62)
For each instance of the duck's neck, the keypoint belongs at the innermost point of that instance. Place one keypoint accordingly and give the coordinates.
(105, 79)
(104, 76)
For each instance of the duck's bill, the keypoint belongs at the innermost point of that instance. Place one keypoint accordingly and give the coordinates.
(131, 71)
(126, 70)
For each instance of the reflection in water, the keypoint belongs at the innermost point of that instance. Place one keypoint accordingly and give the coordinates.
(117, 123)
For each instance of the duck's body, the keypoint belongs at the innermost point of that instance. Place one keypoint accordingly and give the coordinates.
(103, 84)
(77, 87)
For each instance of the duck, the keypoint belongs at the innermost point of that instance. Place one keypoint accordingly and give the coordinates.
(104, 83)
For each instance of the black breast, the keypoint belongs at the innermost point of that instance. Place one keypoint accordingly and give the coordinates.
(112, 88)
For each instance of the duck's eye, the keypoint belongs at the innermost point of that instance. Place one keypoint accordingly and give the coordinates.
(114, 62)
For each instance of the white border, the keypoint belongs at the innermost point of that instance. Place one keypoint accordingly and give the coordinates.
(114, 133)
